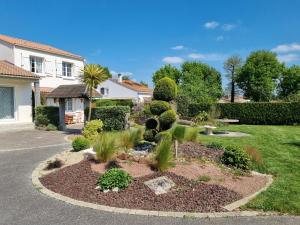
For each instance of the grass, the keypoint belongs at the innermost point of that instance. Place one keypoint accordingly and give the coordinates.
(279, 147)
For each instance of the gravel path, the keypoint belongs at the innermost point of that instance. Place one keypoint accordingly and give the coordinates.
(22, 204)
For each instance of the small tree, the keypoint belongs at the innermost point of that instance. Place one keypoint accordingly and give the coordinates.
(232, 66)
(92, 76)
(289, 82)
(167, 71)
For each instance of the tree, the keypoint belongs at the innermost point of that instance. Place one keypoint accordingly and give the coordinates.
(289, 82)
(125, 77)
(258, 76)
(92, 76)
(144, 83)
(232, 65)
(107, 72)
(200, 82)
(167, 71)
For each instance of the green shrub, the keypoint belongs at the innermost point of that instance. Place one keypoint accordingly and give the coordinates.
(158, 107)
(51, 127)
(105, 147)
(113, 117)
(151, 123)
(200, 117)
(149, 135)
(191, 134)
(166, 119)
(113, 102)
(164, 135)
(45, 115)
(80, 143)
(215, 145)
(263, 113)
(92, 129)
(165, 90)
(234, 156)
(114, 178)
(183, 103)
(130, 138)
(163, 155)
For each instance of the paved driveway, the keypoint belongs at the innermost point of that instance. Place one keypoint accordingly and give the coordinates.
(22, 204)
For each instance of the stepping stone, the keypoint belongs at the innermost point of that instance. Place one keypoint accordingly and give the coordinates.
(160, 185)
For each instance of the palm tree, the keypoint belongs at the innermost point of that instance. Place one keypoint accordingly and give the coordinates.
(92, 76)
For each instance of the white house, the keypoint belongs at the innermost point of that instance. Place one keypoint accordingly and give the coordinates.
(16, 96)
(118, 88)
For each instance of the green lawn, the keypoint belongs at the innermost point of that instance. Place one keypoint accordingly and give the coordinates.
(280, 150)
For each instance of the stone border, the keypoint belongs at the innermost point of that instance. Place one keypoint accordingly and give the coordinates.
(36, 174)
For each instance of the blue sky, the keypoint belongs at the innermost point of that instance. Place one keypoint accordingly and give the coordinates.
(139, 36)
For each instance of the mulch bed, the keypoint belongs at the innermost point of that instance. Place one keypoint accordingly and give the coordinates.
(79, 181)
(195, 150)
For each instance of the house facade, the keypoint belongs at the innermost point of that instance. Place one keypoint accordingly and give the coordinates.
(118, 88)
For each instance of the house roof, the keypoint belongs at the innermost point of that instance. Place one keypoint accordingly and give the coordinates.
(37, 46)
(8, 69)
(72, 91)
(133, 86)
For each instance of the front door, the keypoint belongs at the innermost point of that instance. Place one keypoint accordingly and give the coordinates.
(6, 103)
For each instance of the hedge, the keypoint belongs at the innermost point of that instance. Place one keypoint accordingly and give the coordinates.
(113, 102)
(45, 115)
(279, 113)
(113, 117)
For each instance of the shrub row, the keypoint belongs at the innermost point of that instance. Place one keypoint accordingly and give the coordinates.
(113, 117)
(281, 113)
(113, 102)
(45, 115)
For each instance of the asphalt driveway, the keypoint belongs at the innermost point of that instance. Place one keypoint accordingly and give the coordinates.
(21, 203)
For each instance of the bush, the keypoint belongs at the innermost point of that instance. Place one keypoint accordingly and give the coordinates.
(45, 115)
(105, 147)
(113, 102)
(51, 127)
(165, 90)
(163, 155)
(165, 135)
(151, 123)
(114, 178)
(166, 119)
(113, 117)
(92, 129)
(80, 143)
(215, 145)
(263, 113)
(200, 117)
(234, 156)
(158, 107)
(149, 135)
(183, 103)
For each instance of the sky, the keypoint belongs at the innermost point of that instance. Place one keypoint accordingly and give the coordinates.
(137, 37)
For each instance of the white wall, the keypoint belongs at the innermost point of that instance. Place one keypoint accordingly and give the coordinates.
(22, 97)
(6, 52)
(52, 67)
(117, 91)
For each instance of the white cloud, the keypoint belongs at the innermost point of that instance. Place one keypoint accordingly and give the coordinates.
(173, 60)
(208, 57)
(288, 58)
(228, 27)
(220, 38)
(178, 47)
(211, 25)
(115, 73)
(294, 47)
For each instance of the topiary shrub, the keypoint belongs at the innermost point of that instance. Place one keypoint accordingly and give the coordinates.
(166, 119)
(158, 107)
(114, 178)
(165, 90)
(234, 156)
(80, 143)
(164, 135)
(163, 155)
(149, 135)
(92, 129)
(151, 123)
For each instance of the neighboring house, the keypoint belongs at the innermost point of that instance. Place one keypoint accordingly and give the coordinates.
(118, 88)
(16, 96)
(54, 66)
(76, 100)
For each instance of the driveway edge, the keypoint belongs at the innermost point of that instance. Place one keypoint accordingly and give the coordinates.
(36, 174)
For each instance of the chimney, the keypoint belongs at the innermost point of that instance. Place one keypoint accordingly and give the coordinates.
(120, 78)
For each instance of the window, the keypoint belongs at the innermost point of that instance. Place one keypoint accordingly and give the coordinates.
(104, 91)
(36, 64)
(66, 69)
(7, 103)
(69, 105)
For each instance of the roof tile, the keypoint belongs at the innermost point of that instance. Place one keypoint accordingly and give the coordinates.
(8, 69)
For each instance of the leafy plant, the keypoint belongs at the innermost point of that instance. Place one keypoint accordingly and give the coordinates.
(165, 90)
(92, 129)
(215, 145)
(234, 156)
(200, 118)
(163, 155)
(45, 115)
(80, 143)
(166, 119)
(105, 147)
(158, 107)
(114, 178)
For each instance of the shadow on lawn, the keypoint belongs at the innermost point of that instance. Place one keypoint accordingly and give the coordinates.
(294, 143)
